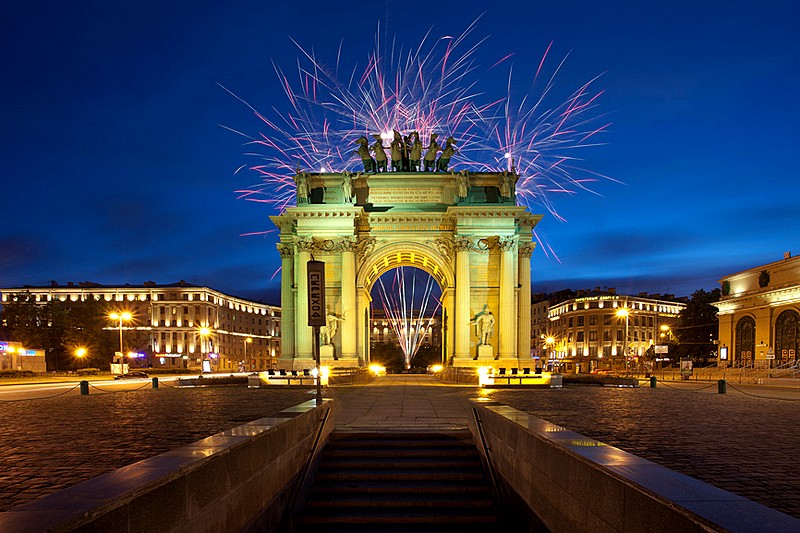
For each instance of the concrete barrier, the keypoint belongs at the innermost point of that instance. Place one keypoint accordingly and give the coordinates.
(572, 483)
(235, 480)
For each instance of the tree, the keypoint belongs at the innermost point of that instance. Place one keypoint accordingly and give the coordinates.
(698, 326)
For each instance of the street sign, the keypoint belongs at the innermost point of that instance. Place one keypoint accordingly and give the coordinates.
(316, 293)
(661, 348)
(770, 354)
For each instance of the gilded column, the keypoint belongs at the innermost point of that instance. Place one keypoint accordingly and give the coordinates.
(524, 300)
(287, 301)
(507, 327)
(462, 246)
(304, 341)
(349, 310)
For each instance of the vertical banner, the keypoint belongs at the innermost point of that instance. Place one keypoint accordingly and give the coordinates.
(316, 293)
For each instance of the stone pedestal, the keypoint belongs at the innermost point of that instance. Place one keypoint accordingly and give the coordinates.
(326, 352)
(485, 352)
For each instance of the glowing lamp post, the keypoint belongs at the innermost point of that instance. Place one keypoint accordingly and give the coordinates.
(80, 353)
(623, 312)
(120, 317)
(204, 333)
(247, 341)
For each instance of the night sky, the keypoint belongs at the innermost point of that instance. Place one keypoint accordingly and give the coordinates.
(115, 167)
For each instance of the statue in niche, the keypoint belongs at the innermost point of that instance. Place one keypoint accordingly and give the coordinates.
(301, 181)
(430, 155)
(380, 154)
(328, 331)
(507, 182)
(347, 187)
(447, 153)
(363, 152)
(484, 325)
(462, 184)
(415, 151)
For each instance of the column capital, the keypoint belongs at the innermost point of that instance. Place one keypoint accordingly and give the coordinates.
(526, 249)
(286, 250)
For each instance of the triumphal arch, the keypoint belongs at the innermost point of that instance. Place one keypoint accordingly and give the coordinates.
(464, 229)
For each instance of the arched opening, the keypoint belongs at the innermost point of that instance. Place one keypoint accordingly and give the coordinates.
(745, 342)
(787, 336)
(406, 319)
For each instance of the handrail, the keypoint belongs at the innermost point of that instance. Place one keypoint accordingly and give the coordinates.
(287, 522)
(487, 454)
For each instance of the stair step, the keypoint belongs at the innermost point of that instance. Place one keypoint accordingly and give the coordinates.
(411, 501)
(398, 516)
(461, 451)
(401, 463)
(407, 475)
(372, 486)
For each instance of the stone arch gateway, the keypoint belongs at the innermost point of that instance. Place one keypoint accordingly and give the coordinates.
(477, 248)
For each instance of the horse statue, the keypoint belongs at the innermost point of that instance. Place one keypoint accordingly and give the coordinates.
(447, 153)
(366, 158)
(430, 155)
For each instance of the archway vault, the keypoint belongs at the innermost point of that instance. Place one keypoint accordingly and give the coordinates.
(410, 254)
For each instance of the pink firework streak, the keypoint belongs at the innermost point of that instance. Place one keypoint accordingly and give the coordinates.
(429, 88)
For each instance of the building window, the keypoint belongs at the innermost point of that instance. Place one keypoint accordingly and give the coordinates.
(606, 335)
(592, 320)
(619, 335)
(580, 320)
(592, 336)
(580, 336)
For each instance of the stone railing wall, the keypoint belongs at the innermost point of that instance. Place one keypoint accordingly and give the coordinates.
(236, 480)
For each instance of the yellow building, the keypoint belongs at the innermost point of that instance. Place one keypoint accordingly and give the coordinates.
(184, 325)
(593, 333)
(759, 324)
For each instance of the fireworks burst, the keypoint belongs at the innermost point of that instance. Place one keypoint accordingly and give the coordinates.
(430, 88)
(407, 308)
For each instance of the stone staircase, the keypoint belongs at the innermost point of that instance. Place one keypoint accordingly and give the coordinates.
(407, 482)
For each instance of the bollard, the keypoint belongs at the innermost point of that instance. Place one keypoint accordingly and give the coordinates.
(653, 381)
(84, 388)
(722, 386)
(155, 383)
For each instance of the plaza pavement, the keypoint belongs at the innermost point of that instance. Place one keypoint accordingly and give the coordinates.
(744, 441)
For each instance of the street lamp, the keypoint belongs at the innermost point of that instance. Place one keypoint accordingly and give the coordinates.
(126, 316)
(80, 353)
(247, 341)
(623, 312)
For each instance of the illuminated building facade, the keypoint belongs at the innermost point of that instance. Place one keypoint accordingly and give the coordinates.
(182, 325)
(430, 329)
(590, 333)
(759, 315)
(14, 356)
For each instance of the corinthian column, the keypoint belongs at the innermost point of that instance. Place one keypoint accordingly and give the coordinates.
(462, 246)
(348, 246)
(287, 301)
(524, 300)
(303, 333)
(507, 326)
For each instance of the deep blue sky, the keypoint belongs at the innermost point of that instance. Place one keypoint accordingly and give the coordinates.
(114, 167)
